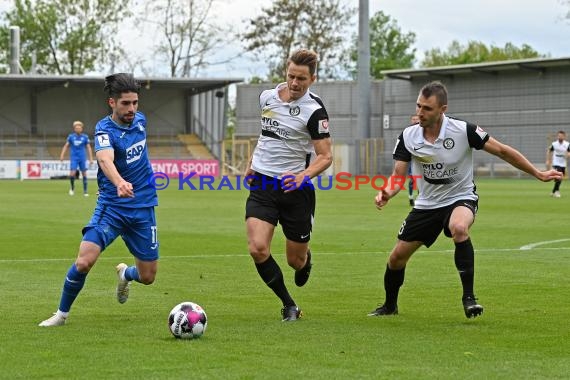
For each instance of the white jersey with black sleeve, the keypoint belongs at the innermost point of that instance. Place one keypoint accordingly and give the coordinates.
(446, 166)
(559, 151)
(287, 130)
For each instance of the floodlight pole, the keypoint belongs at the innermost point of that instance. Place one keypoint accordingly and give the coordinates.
(14, 50)
(363, 70)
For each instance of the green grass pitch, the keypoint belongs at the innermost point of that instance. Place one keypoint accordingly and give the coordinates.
(523, 332)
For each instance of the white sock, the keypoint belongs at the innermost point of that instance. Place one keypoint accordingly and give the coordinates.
(62, 314)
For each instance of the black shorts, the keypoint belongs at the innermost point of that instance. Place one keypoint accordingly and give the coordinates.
(426, 225)
(561, 169)
(294, 211)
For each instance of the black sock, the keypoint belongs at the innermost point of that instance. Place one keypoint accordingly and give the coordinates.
(72, 180)
(465, 264)
(393, 280)
(273, 277)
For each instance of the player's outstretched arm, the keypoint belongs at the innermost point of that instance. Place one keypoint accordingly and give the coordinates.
(105, 160)
(395, 184)
(518, 160)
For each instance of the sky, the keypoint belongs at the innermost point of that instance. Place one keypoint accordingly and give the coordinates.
(538, 23)
(436, 23)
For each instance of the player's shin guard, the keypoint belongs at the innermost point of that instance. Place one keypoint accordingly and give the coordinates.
(393, 280)
(271, 274)
(74, 281)
(465, 264)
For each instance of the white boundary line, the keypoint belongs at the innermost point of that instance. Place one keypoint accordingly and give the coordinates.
(235, 255)
(533, 245)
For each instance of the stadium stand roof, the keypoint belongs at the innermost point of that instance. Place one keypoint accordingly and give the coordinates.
(539, 65)
(195, 85)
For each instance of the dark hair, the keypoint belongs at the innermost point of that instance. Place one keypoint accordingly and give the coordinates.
(116, 84)
(435, 88)
(304, 57)
(562, 132)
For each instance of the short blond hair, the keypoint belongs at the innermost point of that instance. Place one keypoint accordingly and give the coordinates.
(304, 57)
(77, 122)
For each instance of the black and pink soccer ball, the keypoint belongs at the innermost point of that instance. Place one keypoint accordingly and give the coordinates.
(187, 320)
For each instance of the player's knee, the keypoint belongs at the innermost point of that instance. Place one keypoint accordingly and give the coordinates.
(147, 279)
(258, 250)
(396, 261)
(459, 232)
(295, 262)
(83, 265)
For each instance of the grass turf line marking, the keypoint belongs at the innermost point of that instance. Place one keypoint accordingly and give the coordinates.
(537, 244)
(233, 255)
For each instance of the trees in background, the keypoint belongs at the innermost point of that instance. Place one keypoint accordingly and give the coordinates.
(285, 25)
(390, 48)
(82, 36)
(64, 36)
(190, 35)
(476, 52)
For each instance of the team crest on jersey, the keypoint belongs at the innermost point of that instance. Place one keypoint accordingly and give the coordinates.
(294, 111)
(448, 143)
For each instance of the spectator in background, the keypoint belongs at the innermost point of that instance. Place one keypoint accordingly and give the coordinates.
(556, 157)
(77, 142)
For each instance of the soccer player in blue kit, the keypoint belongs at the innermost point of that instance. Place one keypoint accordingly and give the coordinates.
(77, 142)
(126, 201)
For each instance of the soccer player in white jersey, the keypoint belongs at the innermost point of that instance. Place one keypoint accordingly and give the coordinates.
(293, 147)
(556, 157)
(440, 148)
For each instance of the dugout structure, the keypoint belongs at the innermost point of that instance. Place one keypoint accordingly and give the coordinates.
(38, 109)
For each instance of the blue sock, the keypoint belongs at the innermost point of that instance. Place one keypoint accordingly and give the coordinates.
(85, 185)
(132, 274)
(73, 284)
(72, 181)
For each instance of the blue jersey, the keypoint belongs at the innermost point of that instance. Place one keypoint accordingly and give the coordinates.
(131, 161)
(77, 144)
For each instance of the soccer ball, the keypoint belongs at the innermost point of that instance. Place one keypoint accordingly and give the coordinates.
(187, 320)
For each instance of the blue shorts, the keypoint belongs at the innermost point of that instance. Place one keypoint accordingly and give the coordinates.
(137, 227)
(75, 163)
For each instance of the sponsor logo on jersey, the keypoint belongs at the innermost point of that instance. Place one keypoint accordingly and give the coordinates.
(323, 126)
(438, 174)
(482, 134)
(103, 140)
(448, 143)
(134, 152)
